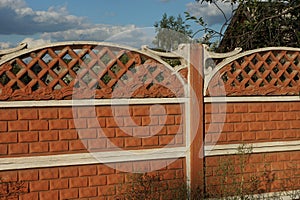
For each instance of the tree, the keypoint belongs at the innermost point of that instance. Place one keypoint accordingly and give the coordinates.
(256, 24)
(171, 32)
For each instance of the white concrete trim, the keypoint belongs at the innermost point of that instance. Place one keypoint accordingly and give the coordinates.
(263, 147)
(90, 102)
(282, 195)
(188, 116)
(21, 46)
(251, 99)
(90, 158)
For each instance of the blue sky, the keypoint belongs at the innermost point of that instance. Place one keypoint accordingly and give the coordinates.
(117, 12)
(38, 21)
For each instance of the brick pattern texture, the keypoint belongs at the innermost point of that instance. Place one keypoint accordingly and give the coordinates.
(99, 181)
(251, 122)
(59, 130)
(244, 123)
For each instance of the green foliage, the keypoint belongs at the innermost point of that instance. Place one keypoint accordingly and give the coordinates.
(15, 68)
(124, 59)
(231, 177)
(255, 24)
(172, 62)
(232, 182)
(12, 189)
(144, 186)
(151, 187)
(263, 24)
(4, 79)
(209, 33)
(171, 32)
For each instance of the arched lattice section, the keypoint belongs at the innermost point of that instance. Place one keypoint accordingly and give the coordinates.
(65, 71)
(264, 72)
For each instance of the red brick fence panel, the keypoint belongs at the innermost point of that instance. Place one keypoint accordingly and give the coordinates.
(252, 122)
(80, 120)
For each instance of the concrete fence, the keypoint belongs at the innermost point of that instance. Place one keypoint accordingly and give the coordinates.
(79, 119)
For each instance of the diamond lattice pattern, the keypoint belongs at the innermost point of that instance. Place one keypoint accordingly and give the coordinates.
(263, 73)
(86, 71)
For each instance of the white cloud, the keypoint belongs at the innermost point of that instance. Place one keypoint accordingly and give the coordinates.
(99, 32)
(210, 12)
(17, 18)
(55, 16)
(22, 12)
(134, 37)
(124, 35)
(56, 24)
(5, 45)
(31, 42)
(14, 4)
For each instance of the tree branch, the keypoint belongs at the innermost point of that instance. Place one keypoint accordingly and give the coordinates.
(275, 16)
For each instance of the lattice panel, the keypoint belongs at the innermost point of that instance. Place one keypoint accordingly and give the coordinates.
(86, 71)
(262, 73)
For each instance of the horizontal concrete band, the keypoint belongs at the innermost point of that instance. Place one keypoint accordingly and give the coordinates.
(263, 147)
(251, 99)
(90, 102)
(282, 195)
(91, 158)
